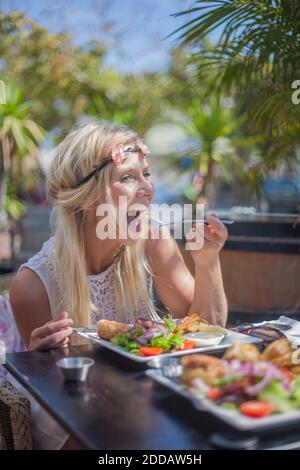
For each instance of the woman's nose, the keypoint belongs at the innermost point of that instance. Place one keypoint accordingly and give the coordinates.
(145, 189)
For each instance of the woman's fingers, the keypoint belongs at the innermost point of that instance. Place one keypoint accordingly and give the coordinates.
(212, 236)
(64, 343)
(54, 339)
(53, 334)
(62, 316)
(216, 226)
(195, 237)
(51, 328)
(211, 231)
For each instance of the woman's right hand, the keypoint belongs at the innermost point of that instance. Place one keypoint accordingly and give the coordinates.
(54, 334)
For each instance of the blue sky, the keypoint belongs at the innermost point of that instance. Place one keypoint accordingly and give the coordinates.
(133, 29)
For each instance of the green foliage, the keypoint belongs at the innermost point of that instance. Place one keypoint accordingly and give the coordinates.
(59, 77)
(216, 140)
(19, 139)
(256, 58)
(66, 82)
(13, 206)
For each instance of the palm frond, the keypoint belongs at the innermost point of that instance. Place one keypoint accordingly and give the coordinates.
(256, 58)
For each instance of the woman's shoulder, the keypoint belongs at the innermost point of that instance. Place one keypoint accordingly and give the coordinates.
(30, 275)
(40, 259)
(29, 287)
(28, 298)
(26, 285)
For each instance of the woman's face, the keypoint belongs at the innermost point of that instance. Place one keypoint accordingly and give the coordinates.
(132, 192)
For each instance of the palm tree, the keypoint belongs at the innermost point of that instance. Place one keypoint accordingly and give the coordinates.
(213, 132)
(19, 138)
(256, 57)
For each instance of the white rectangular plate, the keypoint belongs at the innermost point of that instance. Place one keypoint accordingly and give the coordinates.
(231, 337)
(233, 418)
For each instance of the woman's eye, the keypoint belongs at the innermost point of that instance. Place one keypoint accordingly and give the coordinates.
(126, 178)
(130, 177)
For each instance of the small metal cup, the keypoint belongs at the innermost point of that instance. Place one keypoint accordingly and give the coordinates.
(169, 366)
(75, 368)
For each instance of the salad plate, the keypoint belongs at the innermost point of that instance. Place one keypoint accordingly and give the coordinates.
(248, 389)
(230, 417)
(230, 338)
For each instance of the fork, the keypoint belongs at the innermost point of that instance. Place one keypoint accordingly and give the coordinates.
(88, 329)
(160, 223)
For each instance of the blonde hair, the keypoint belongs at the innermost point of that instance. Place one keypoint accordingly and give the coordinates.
(75, 157)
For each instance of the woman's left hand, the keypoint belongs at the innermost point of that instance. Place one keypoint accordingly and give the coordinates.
(206, 241)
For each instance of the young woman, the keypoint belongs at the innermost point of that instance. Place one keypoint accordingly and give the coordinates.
(79, 277)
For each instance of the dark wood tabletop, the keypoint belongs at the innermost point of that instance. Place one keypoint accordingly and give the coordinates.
(118, 407)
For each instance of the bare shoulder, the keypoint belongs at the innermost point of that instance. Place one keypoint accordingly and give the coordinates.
(29, 302)
(27, 286)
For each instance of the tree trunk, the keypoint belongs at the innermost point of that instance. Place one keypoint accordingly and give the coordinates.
(3, 190)
(211, 184)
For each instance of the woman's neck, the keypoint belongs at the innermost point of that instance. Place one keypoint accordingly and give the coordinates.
(99, 254)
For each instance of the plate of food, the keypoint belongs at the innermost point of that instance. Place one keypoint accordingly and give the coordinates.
(147, 338)
(247, 389)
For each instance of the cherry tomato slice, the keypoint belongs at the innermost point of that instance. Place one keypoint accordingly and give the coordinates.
(256, 409)
(150, 351)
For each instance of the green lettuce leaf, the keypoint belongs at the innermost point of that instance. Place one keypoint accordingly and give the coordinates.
(275, 394)
(172, 340)
(170, 324)
(123, 341)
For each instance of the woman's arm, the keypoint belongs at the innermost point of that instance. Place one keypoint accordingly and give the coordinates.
(206, 242)
(30, 305)
(173, 281)
(176, 287)
(213, 304)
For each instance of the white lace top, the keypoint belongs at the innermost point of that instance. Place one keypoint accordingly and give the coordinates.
(101, 286)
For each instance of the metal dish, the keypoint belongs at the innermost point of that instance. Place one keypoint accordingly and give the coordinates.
(75, 368)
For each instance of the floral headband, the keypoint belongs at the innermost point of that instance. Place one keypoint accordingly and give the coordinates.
(118, 155)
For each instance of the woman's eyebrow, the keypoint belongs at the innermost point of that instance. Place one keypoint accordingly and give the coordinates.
(132, 168)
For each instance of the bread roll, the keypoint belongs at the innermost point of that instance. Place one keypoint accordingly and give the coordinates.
(107, 329)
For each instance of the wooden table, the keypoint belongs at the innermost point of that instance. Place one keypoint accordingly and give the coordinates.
(119, 407)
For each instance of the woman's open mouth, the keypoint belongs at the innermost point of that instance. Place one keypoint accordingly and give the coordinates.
(134, 219)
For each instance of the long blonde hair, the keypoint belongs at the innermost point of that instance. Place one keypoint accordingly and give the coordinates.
(75, 157)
